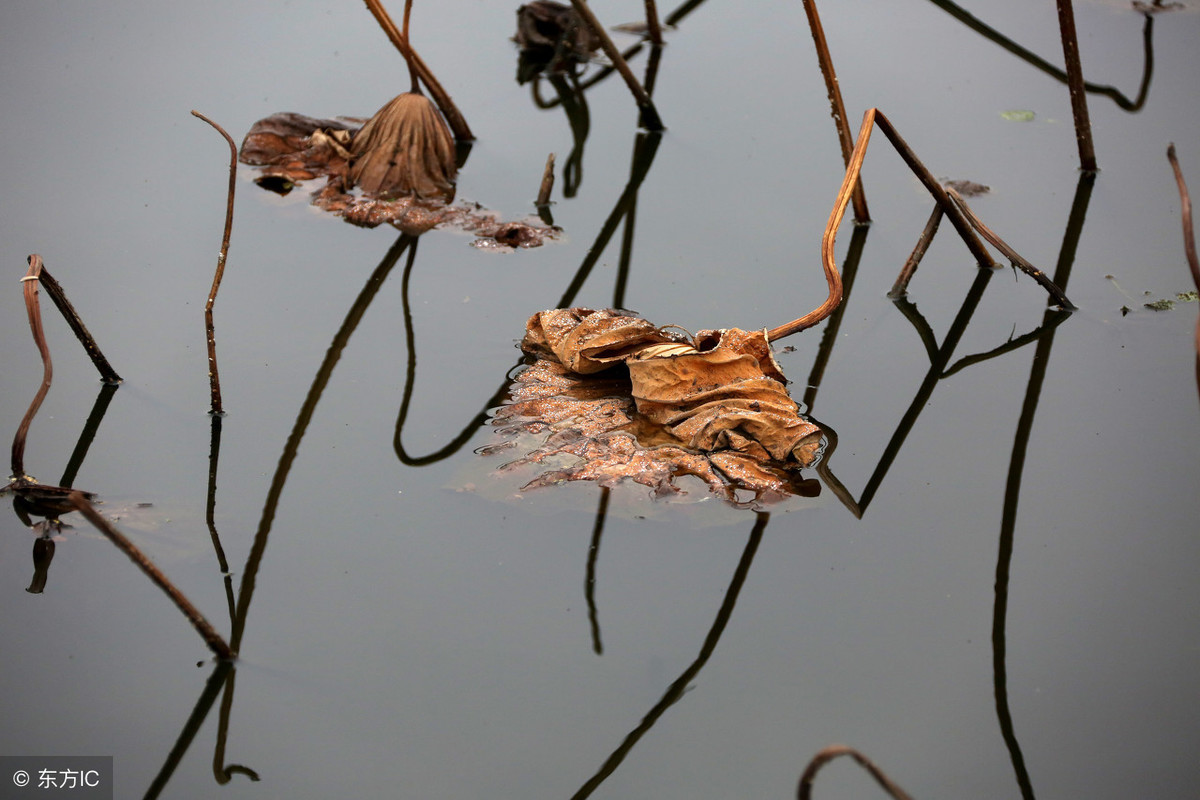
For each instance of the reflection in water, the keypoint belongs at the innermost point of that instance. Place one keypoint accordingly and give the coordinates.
(26, 505)
(644, 148)
(589, 581)
(1133, 106)
(1012, 487)
(645, 145)
(680, 686)
(410, 380)
(222, 676)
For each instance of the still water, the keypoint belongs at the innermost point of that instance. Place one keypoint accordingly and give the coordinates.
(994, 594)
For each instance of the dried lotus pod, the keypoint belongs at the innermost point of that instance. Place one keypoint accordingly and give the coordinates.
(405, 150)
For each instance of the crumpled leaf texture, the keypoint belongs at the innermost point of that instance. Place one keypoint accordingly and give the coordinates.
(715, 407)
(292, 148)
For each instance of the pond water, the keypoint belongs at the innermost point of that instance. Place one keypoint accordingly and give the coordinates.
(994, 594)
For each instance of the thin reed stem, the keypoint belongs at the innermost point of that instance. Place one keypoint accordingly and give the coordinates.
(650, 119)
(1079, 109)
(653, 27)
(1189, 238)
(874, 116)
(408, 53)
(1017, 260)
(1185, 214)
(213, 639)
(214, 378)
(900, 287)
(59, 298)
(454, 117)
(859, 198)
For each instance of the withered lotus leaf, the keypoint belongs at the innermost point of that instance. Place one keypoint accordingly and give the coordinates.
(714, 407)
(291, 148)
(405, 150)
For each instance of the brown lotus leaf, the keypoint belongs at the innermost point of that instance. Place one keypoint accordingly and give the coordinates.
(723, 398)
(547, 25)
(715, 408)
(587, 341)
(724, 392)
(291, 148)
(591, 420)
(405, 150)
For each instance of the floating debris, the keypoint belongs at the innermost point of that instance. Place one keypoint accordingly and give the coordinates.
(1018, 116)
(290, 149)
(620, 398)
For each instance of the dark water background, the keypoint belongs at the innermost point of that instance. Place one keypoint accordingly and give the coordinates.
(417, 632)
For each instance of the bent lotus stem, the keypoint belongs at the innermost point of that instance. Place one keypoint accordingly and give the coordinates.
(30, 285)
(833, 751)
(964, 226)
(1189, 238)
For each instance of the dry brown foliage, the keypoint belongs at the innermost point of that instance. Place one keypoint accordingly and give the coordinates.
(621, 398)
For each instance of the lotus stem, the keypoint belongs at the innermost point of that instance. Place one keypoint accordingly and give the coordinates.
(543, 198)
(59, 298)
(454, 117)
(213, 639)
(1079, 109)
(859, 198)
(804, 792)
(650, 119)
(214, 378)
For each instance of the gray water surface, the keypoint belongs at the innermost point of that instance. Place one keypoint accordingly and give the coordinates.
(1002, 604)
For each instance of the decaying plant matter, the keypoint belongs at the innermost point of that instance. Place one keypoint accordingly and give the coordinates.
(290, 149)
(46, 499)
(552, 38)
(716, 405)
(405, 150)
(398, 168)
(627, 399)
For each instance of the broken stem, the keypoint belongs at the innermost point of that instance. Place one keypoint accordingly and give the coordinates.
(33, 308)
(1079, 109)
(202, 626)
(543, 198)
(653, 28)
(1017, 260)
(214, 379)
(458, 123)
(59, 297)
(650, 119)
(934, 188)
(874, 116)
(833, 751)
(900, 287)
(835, 100)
